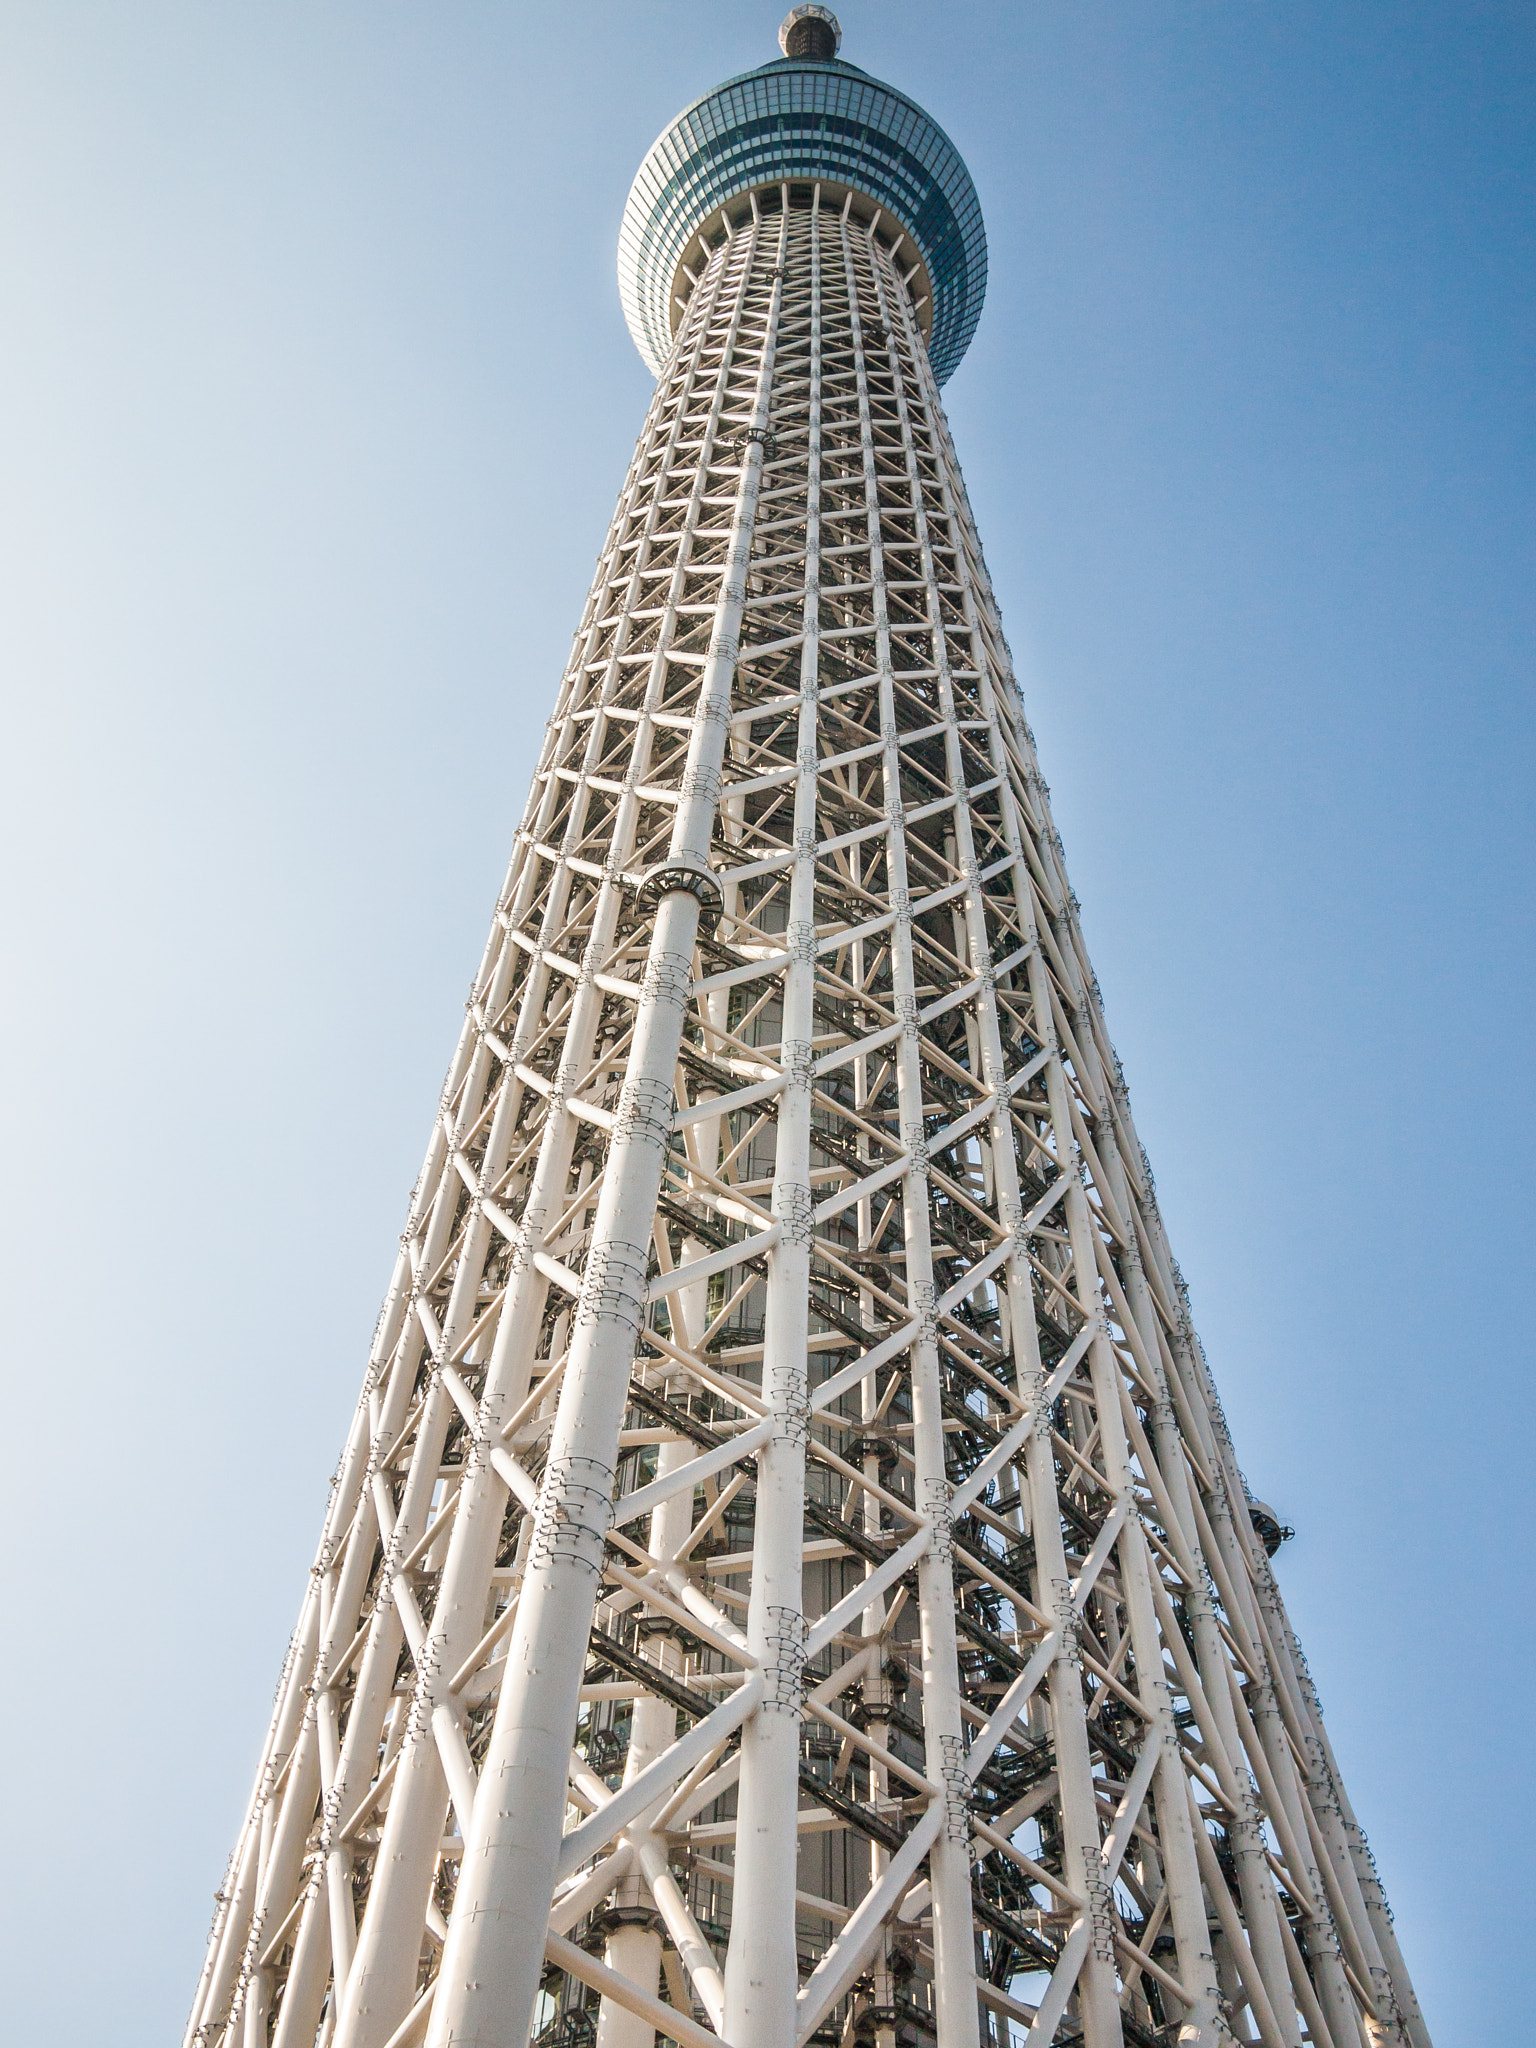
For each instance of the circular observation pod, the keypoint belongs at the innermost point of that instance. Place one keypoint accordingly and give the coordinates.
(1268, 1527)
(801, 121)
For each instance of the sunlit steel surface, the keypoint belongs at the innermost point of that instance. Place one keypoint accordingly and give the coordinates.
(789, 1580)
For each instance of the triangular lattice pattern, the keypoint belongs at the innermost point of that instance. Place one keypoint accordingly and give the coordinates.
(789, 1579)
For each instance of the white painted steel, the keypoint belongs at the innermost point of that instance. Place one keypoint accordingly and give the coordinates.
(789, 1541)
(761, 1974)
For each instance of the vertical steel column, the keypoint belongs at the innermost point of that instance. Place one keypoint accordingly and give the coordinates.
(376, 1992)
(495, 1948)
(634, 1945)
(762, 1976)
(944, 1729)
(1181, 1874)
(1101, 2024)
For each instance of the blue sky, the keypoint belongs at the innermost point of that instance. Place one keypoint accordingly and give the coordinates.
(316, 394)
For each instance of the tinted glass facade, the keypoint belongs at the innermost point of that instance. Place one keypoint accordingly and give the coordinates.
(802, 121)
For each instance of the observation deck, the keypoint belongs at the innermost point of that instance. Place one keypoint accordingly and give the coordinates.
(807, 118)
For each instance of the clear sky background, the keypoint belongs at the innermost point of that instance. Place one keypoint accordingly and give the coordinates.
(315, 398)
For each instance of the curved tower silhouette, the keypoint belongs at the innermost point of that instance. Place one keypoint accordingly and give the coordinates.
(788, 1580)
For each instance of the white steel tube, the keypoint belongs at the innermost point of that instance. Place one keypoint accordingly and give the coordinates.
(944, 1729)
(761, 1971)
(495, 1948)
(790, 673)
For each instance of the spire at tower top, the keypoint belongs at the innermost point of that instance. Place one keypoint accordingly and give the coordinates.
(813, 32)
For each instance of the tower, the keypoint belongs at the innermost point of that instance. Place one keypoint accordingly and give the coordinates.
(788, 1579)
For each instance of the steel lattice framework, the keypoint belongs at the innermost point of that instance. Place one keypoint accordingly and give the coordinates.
(788, 1579)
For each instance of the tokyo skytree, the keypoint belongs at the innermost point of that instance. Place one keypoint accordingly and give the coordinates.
(789, 1580)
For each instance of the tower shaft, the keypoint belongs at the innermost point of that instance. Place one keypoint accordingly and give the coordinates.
(788, 1579)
